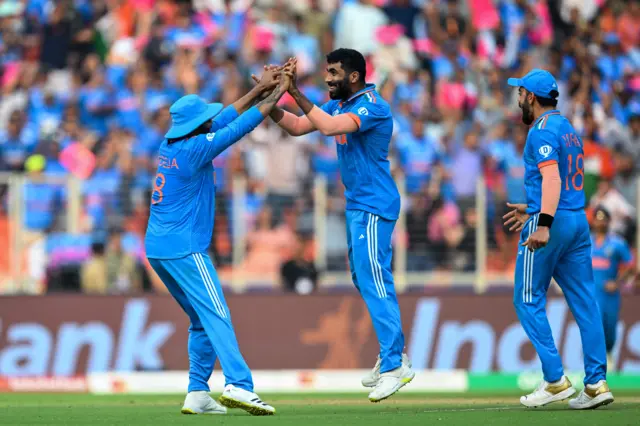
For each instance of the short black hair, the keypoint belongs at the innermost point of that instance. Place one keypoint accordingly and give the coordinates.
(201, 130)
(351, 60)
(547, 102)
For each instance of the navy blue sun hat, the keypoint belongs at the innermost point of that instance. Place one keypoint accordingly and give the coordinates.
(539, 82)
(188, 113)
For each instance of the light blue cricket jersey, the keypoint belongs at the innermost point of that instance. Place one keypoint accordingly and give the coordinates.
(552, 139)
(183, 199)
(363, 155)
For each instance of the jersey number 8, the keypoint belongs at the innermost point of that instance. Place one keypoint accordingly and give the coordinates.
(158, 184)
(579, 172)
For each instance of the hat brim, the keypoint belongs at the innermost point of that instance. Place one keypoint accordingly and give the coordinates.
(182, 130)
(515, 82)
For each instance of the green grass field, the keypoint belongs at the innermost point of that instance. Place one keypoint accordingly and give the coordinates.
(312, 409)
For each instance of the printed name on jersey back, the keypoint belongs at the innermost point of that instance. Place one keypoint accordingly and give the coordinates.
(571, 139)
(167, 163)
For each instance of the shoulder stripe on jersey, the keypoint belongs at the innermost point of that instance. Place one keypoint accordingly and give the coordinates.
(543, 120)
(360, 94)
(547, 163)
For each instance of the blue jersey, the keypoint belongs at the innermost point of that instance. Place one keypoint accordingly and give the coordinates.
(553, 140)
(363, 155)
(608, 257)
(183, 199)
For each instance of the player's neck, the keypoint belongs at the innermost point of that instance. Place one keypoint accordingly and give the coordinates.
(539, 111)
(355, 89)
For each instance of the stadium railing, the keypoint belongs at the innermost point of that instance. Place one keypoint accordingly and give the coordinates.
(26, 264)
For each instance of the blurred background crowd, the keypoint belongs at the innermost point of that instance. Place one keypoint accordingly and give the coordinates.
(86, 85)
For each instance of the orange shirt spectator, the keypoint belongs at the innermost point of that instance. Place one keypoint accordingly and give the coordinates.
(629, 27)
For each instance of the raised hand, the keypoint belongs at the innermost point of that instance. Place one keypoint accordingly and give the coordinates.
(290, 69)
(269, 80)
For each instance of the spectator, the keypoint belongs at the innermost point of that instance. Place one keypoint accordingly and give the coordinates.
(622, 213)
(278, 159)
(17, 142)
(467, 167)
(94, 272)
(356, 25)
(299, 275)
(445, 231)
(111, 269)
(418, 155)
(403, 12)
(304, 47)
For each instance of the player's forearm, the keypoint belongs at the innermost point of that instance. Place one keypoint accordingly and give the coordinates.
(277, 115)
(268, 104)
(248, 100)
(333, 125)
(551, 189)
(294, 125)
(303, 102)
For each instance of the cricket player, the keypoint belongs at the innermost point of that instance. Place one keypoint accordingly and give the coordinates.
(612, 265)
(555, 242)
(362, 124)
(179, 233)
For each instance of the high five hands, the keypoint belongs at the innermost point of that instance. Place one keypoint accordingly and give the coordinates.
(273, 74)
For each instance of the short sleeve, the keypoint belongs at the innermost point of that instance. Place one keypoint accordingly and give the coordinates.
(544, 147)
(369, 114)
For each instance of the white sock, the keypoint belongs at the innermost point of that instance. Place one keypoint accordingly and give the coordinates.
(559, 382)
(596, 385)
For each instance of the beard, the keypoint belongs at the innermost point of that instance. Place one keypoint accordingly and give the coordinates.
(527, 113)
(341, 90)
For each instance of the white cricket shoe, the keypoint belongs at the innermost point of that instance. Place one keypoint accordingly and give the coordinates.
(390, 382)
(546, 393)
(372, 377)
(199, 402)
(234, 397)
(592, 396)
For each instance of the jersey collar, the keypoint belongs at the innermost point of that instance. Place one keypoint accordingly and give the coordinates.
(367, 88)
(551, 112)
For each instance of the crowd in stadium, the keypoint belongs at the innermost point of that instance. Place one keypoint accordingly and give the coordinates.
(85, 78)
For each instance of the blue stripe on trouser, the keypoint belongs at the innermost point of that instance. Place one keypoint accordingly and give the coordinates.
(369, 240)
(194, 283)
(566, 258)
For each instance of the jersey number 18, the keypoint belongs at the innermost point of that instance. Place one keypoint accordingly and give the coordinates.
(579, 172)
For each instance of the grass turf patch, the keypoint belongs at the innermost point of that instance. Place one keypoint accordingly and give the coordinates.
(310, 410)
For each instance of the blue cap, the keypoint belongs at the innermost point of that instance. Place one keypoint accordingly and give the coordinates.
(188, 113)
(539, 82)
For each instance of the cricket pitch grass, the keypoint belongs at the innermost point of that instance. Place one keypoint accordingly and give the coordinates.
(305, 409)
